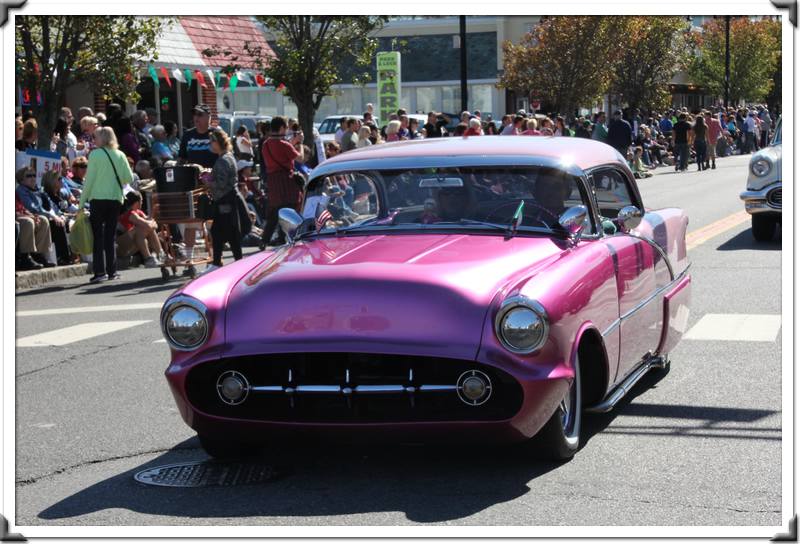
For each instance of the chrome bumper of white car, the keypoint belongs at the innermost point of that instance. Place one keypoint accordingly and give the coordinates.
(768, 199)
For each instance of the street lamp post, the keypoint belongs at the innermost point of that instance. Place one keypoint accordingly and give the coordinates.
(727, 59)
(462, 29)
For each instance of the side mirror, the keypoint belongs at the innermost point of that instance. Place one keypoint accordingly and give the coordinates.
(573, 221)
(629, 218)
(290, 221)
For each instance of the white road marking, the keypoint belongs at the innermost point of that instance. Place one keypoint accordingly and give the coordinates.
(736, 327)
(160, 341)
(76, 333)
(91, 309)
(43, 425)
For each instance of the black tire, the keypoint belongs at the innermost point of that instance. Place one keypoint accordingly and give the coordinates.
(226, 449)
(763, 227)
(560, 437)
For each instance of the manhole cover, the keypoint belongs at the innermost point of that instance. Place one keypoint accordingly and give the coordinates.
(207, 473)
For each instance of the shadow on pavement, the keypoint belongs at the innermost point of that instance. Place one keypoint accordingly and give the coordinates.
(429, 484)
(745, 240)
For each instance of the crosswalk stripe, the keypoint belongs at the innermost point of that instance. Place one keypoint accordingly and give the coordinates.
(90, 309)
(76, 333)
(736, 327)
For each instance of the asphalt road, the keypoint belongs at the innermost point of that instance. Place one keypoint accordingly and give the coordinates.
(700, 445)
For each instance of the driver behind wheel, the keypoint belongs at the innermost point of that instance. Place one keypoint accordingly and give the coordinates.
(550, 193)
(455, 203)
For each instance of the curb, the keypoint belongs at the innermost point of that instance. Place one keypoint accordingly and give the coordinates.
(37, 278)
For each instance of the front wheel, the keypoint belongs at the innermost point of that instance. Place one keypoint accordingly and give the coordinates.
(763, 227)
(559, 438)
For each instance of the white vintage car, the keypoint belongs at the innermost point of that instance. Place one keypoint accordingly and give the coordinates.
(762, 199)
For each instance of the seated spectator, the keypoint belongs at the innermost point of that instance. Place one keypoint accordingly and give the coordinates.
(37, 203)
(638, 167)
(160, 149)
(139, 233)
(33, 242)
(243, 147)
(143, 170)
(62, 201)
(79, 166)
(68, 187)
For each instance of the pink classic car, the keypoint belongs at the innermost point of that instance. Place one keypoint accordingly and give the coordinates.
(440, 289)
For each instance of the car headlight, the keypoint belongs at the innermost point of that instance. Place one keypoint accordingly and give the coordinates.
(521, 325)
(184, 323)
(761, 167)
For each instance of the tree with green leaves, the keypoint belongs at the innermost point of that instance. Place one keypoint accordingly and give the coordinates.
(755, 48)
(566, 61)
(310, 53)
(55, 51)
(653, 51)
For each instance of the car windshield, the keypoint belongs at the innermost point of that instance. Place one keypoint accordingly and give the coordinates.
(329, 126)
(422, 199)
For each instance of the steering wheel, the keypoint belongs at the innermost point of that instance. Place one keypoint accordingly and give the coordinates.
(539, 207)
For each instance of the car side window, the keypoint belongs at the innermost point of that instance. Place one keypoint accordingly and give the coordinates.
(611, 191)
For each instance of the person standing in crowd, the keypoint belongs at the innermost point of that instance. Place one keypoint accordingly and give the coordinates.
(619, 134)
(665, 125)
(140, 121)
(561, 127)
(766, 125)
(413, 129)
(225, 196)
(106, 176)
(584, 129)
(700, 137)
(713, 135)
(514, 127)
(283, 190)
(243, 146)
(600, 133)
(59, 142)
(474, 127)
(127, 143)
(430, 126)
(749, 125)
(337, 137)
(34, 235)
(69, 136)
(392, 131)
(530, 128)
(490, 129)
(85, 145)
(680, 142)
(363, 137)
(83, 111)
(30, 136)
(79, 166)
(547, 127)
(349, 138)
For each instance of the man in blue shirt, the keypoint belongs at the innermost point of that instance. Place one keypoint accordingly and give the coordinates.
(665, 125)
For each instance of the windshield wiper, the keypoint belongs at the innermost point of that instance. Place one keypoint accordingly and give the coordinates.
(516, 220)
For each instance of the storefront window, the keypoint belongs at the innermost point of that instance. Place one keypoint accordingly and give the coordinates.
(451, 99)
(426, 99)
(480, 98)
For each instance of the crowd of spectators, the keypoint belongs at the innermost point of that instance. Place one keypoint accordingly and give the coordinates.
(105, 158)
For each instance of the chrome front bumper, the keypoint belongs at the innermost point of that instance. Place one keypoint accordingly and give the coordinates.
(766, 200)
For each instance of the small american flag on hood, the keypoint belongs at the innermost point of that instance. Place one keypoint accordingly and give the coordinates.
(322, 215)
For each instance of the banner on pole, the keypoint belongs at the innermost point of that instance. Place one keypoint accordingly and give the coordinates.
(40, 160)
(388, 84)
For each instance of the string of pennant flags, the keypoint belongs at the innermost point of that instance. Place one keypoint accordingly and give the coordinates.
(211, 77)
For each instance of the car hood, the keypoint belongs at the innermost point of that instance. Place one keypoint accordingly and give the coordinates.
(414, 294)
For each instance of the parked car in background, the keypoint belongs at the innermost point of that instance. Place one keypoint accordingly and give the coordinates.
(763, 198)
(477, 290)
(230, 123)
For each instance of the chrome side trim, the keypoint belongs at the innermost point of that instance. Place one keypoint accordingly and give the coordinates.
(619, 392)
(657, 248)
(317, 389)
(617, 322)
(379, 389)
(436, 388)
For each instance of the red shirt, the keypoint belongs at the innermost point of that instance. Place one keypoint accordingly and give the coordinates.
(279, 155)
(125, 218)
(19, 207)
(714, 129)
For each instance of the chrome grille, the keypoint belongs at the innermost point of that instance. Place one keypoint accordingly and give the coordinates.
(352, 388)
(775, 198)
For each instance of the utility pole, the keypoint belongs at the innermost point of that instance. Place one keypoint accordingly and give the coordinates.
(462, 29)
(727, 59)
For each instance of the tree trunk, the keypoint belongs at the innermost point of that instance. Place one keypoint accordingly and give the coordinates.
(305, 116)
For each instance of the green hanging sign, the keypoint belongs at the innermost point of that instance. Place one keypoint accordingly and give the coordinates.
(234, 82)
(188, 74)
